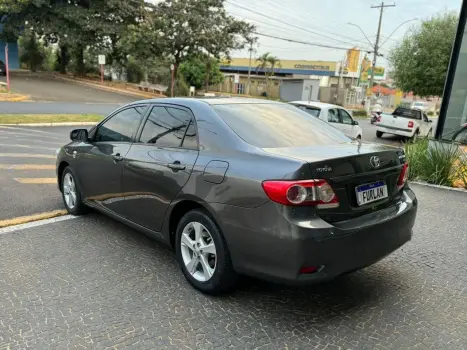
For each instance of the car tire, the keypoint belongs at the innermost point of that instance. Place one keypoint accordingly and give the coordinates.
(219, 276)
(71, 194)
(379, 134)
(415, 136)
(429, 133)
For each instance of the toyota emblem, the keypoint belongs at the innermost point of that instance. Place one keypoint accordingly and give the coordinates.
(375, 162)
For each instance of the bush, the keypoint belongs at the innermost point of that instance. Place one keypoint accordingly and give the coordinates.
(134, 72)
(360, 113)
(434, 163)
(430, 113)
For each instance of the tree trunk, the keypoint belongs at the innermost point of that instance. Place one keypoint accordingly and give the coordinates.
(63, 58)
(80, 68)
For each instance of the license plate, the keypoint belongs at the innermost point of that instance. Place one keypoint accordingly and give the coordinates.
(371, 192)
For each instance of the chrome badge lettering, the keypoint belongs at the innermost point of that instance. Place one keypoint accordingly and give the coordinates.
(325, 169)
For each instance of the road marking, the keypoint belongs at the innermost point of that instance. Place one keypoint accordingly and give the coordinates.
(27, 166)
(36, 180)
(27, 155)
(39, 222)
(29, 218)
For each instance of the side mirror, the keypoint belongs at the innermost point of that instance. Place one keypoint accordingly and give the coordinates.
(355, 122)
(79, 135)
(430, 121)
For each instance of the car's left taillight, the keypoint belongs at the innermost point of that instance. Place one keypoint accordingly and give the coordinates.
(403, 177)
(316, 193)
(410, 125)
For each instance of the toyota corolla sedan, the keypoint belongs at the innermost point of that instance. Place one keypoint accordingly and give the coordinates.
(242, 187)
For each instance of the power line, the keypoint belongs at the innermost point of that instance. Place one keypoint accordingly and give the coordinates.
(305, 42)
(300, 17)
(291, 25)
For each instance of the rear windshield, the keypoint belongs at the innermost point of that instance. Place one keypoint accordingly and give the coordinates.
(407, 113)
(310, 110)
(278, 125)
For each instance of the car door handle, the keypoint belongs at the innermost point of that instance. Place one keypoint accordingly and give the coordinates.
(117, 157)
(176, 166)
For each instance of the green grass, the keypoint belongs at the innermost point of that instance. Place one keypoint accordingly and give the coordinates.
(436, 163)
(360, 113)
(48, 118)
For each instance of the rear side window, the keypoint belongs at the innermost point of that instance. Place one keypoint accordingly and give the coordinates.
(278, 125)
(407, 113)
(167, 127)
(310, 110)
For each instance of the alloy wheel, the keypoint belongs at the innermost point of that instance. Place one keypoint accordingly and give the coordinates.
(69, 191)
(198, 251)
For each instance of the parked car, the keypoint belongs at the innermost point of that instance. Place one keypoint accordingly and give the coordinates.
(337, 116)
(420, 105)
(242, 186)
(410, 123)
(2, 68)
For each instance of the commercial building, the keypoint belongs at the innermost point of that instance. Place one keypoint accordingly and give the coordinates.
(13, 57)
(453, 112)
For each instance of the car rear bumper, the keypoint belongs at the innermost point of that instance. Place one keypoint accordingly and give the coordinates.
(395, 131)
(281, 246)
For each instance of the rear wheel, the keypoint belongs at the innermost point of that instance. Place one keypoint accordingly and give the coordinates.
(203, 254)
(379, 134)
(415, 136)
(71, 194)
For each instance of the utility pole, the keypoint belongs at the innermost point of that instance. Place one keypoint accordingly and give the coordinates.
(376, 48)
(249, 68)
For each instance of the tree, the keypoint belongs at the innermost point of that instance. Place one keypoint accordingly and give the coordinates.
(267, 63)
(421, 60)
(32, 51)
(197, 27)
(194, 72)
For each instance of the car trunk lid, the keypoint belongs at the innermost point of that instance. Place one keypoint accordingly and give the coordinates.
(348, 167)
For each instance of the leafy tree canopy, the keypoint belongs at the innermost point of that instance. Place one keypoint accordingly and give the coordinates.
(194, 72)
(421, 60)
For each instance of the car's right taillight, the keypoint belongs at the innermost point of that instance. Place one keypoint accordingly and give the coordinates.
(404, 175)
(316, 193)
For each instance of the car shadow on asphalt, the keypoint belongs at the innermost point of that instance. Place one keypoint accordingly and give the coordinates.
(360, 290)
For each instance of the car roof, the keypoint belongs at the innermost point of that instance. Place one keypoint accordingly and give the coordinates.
(315, 104)
(186, 101)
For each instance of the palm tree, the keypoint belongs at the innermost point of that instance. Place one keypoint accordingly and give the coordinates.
(266, 61)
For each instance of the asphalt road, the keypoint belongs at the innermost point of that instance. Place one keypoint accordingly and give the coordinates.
(43, 87)
(92, 283)
(57, 108)
(27, 157)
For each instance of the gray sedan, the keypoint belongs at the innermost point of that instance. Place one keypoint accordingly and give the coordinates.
(242, 186)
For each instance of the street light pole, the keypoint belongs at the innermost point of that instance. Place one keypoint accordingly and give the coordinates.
(7, 68)
(249, 69)
(376, 48)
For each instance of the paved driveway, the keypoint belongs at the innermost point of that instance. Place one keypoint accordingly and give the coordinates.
(42, 87)
(92, 283)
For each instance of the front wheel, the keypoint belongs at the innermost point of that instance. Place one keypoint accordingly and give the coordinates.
(379, 134)
(71, 194)
(203, 254)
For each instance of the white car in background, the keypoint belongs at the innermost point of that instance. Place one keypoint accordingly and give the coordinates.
(410, 123)
(335, 115)
(420, 105)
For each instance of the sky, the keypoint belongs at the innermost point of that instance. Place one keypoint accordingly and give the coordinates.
(326, 22)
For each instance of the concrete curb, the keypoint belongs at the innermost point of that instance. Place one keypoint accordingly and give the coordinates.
(52, 124)
(438, 186)
(108, 88)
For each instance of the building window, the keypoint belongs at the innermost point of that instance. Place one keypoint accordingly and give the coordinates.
(240, 88)
(456, 114)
